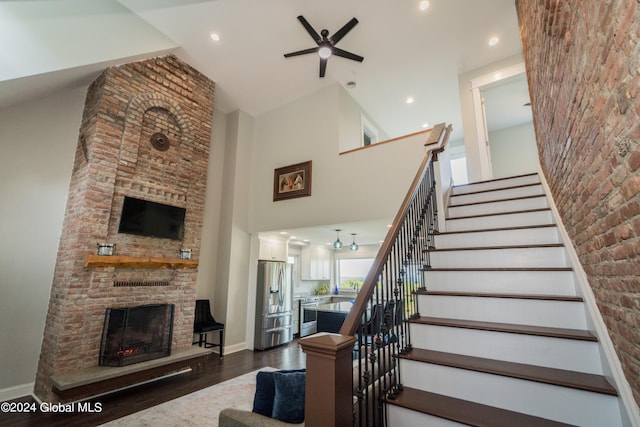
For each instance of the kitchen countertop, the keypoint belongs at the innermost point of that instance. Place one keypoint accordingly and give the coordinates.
(336, 307)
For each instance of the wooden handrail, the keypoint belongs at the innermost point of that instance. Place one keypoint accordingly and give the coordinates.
(440, 135)
(386, 141)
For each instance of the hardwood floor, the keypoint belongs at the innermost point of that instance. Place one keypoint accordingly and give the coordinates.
(125, 402)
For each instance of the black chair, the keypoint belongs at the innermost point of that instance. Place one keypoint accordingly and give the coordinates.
(373, 326)
(369, 331)
(392, 318)
(203, 323)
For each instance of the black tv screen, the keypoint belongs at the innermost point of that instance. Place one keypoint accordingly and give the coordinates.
(146, 218)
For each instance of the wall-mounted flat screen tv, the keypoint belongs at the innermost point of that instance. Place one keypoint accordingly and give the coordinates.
(146, 218)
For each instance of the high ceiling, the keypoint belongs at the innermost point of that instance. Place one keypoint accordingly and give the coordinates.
(408, 52)
(49, 45)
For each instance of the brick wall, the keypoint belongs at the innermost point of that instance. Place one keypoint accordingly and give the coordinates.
(114, 158)
(583, 66)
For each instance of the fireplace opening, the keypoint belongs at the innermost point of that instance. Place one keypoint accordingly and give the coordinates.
(136, 334)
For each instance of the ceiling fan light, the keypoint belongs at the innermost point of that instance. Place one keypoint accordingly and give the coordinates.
(324, 52)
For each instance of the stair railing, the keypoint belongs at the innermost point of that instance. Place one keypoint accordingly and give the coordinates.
(376, 331)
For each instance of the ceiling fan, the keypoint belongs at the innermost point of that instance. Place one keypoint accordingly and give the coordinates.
(326, 45)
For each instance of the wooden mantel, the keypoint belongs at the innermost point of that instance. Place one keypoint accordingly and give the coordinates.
(139, 262)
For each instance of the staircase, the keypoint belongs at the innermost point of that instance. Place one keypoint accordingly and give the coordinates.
(503, 336)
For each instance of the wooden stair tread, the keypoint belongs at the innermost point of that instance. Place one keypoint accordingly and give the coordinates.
(497, 295)
(482, 248)
(501, 269)
(545, 331)
(466, 412)
(484, 230)
(553, 376)
(499, 213)
(508, 199)
(471, 184)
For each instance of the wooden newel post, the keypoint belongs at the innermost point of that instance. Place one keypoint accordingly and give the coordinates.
(329, 380)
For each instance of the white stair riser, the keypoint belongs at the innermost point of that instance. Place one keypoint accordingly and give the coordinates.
(498, 258)
(402, 417)
(556, 314)
(525, 236)
(498, 206)
(492, 185)
(506, 193)
(521, 219)
(573, 355)
(563, 404)
(519, 282)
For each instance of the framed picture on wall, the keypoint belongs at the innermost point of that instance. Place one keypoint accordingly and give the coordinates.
(292, 181)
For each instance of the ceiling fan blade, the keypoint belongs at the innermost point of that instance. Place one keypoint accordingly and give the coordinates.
(302, 52)
(348, 55)
(343, 31)
(323, 66)
(313, 33)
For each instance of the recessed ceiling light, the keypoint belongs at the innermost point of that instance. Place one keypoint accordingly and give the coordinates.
(410, 100)
(494, 41)
(424, 5)
(283, 232)
(215, 37)
(425, 125)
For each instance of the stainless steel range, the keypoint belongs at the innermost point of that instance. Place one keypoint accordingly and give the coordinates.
(309, 316)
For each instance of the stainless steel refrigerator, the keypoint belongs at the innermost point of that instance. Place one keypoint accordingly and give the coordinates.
(274, 302)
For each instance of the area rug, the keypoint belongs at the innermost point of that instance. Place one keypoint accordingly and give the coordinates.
(200, 408)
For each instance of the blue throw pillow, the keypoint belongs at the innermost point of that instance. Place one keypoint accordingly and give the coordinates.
(266, 391)
(288, 404)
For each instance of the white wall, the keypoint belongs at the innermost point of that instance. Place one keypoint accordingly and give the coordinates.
(234, 246)
(364, 185)
(37, 143)
(207, 267)
(513, 151)
(350, 122)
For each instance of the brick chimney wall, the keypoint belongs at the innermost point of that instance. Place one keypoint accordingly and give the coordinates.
(114, 158)
(583, 62)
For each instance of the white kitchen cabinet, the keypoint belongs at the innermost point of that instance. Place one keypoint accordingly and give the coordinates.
(315, 263)
(272, 250)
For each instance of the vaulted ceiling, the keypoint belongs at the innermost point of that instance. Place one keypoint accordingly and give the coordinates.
(47, 45)
(52, 45)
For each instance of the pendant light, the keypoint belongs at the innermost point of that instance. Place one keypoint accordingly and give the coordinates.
(354, 246)
(337, 244)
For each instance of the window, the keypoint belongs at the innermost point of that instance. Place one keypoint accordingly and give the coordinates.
(352, 272)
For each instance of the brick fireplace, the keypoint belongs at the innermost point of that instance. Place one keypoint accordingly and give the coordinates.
(145, 134)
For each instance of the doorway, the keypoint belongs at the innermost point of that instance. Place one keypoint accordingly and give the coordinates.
(500, 102)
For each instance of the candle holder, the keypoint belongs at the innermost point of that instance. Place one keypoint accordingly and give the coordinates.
(106, 249)
(185, 253)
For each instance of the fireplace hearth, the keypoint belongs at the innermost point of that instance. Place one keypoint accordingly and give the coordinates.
(136, 334)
